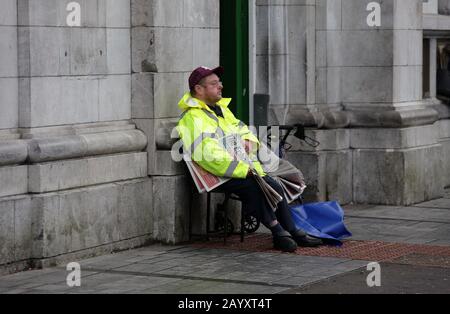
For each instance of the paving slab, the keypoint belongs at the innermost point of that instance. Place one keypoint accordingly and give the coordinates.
(392, 230)
(395, 279)
(443, 203)
(415, 213)
(411, 236)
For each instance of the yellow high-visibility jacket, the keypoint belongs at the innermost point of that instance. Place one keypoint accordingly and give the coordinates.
(200, 130)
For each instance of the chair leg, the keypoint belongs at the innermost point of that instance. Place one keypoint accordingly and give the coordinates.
(190, 217)
(242, 224)
(208, 213)
(225, 211)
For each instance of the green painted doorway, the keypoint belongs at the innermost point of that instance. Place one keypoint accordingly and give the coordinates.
(234, 55)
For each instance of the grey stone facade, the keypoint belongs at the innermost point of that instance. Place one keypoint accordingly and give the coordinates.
(359, 89)
(86, 112)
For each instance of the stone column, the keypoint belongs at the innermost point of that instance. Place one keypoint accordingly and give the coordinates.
(73, 75)
(169, 39)
(77, 151)
(8, 67)
(295, 67)
(397, 157)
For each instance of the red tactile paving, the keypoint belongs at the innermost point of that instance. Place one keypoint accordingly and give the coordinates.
(359, 250)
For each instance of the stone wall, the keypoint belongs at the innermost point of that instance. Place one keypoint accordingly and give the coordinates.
(169, 39)
(9, 106)
(380, 140)
(86, 114)
(73, 167)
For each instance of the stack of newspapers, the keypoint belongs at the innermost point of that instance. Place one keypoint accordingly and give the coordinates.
(289, 177)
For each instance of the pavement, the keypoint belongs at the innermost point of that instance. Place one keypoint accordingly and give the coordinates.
(410, 244)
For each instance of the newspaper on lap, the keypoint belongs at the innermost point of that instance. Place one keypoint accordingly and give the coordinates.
(289, 177)
(233, 144)
(204, 180)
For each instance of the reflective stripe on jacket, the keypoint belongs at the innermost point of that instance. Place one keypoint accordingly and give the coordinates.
(200, 130)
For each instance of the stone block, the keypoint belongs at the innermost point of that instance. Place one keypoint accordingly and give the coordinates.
(407, 83)
(262, 74)
(328, 14)
(73, 51)
(86, 218)
(408, 14)
(444, 128)
(15, 231)
(142, 50)
(359, 48)
(52, 51)
(284, 2)
(45, 51)
(297, 81)
(397, 176)
(408, 47)
(445, 161)
(378, 138)
(278, 87)
(118, 51)
(8, 51)
(166, 166)
(328, 174)
(300, 20)
(13, 180)
(168, 89)
(430, 7)
(199, 13)
(142, 95)
(8, 15)
(167, 13)
(277, 30)
(118, 13)
(54, 13)
(321, 48)
(135, 208)
(147, 126)
(83, 145)
(399, 115)
(74, 173)
(88, 50)
(354, 15)
(9, 89)
(321, 85)
(171, 208)
(9, 135)
(334, 88)
(262, 30)
(114, 98)
(206, 55)
(162, 49)
(73, 96)
(13, 152)
(363, 84)
(164, 161)
(6, 231)
(23, 241)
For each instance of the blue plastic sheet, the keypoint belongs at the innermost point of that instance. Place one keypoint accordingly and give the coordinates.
(322, 220)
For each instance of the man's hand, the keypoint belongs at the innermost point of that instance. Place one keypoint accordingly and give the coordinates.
(248, 146)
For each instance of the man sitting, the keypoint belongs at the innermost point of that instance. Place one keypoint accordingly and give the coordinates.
(206, 118)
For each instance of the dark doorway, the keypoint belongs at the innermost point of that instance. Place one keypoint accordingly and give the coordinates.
(234, 55)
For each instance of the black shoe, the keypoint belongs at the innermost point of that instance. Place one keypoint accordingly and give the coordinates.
(284, 242)
(305, 240)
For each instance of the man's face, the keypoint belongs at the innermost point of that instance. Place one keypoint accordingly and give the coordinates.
(210, 89)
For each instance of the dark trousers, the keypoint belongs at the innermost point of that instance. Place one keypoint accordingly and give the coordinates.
(254, 202)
